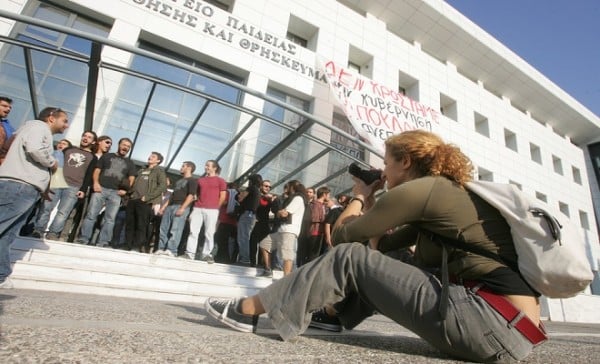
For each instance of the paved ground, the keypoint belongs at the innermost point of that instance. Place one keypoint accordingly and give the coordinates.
(50, 327)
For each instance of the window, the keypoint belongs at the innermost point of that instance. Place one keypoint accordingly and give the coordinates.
(360, 61)
(576, 175)
(302, 33)
(448, 107)
(271, 135)
(226, 5)
(564, 208)
(172, 112)
(583, 219)
(408, 86)
(59, 81)
(519, 186)
(510, 140)
(485, 175)
(296, 39)
(542, 197)
(482, 126)
(557, 164)
(535, 153)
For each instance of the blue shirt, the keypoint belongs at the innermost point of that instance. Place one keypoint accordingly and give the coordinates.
(7, 128)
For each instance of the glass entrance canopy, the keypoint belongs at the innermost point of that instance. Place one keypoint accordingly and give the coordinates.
(166, 102)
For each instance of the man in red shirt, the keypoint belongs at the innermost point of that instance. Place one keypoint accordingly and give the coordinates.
(211, 195)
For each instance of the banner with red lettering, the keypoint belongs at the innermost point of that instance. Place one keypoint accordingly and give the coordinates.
(375, 110)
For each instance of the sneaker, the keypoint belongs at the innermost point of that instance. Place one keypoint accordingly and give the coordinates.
(36, 234)
(185, 256)
(266, 273)
(225, 311)
(208, 259)
(53, 236)
(159, 252)
(168, 253)
(321, 320)
(81, 241)
(6, 284)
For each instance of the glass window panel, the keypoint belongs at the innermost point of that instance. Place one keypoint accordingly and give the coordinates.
(77, 45)
(167, 99)
(41, 61)
(190, 106)
(14, 54)
(159, 70)
(135, 90)
(61, 93)
(73, 71)
(217, 89)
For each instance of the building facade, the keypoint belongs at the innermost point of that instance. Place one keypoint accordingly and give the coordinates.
(515, 124)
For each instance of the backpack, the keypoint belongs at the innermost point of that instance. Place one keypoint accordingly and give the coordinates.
(551, 254)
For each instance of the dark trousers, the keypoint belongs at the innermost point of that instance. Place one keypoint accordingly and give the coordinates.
(225, 233)
(260, 231)
(309, 248)
(137, 218)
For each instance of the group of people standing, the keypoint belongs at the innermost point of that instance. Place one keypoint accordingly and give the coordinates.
(86, 190)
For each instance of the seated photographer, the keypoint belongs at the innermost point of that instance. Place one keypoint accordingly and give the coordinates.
(425, 198)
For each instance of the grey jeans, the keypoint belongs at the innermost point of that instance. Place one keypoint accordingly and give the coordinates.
(359, 281)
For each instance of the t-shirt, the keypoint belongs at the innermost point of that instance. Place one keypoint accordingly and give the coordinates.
(140, 186)
(209, 189)
(182, 188)
(76, 164)
(114, 169)
(250, 202)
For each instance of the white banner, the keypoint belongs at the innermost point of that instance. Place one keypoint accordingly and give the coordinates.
(374, 110)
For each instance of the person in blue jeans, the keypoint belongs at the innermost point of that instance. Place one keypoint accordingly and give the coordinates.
(24, 175)
(486, 312)
(176, 211)
(112, 177)
(249, 200)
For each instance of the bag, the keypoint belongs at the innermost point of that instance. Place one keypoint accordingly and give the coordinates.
(551, 254)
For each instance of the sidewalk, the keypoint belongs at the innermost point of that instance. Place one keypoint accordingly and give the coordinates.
(55, 327)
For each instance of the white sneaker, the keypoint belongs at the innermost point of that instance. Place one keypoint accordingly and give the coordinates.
(7, 284)
(168, 253)
(159, 252)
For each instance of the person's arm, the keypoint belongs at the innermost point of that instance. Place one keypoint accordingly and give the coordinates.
(399, 206)
(96, 180)
(222, 197)
(39, 148)
(87, 179)
(186, 203)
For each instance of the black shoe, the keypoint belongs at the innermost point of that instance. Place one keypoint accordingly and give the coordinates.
(208, 259)
(35, 234)
(321, 320)
(225, 311)
(266, 273)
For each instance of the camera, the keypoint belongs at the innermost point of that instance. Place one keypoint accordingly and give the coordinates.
(367, 176)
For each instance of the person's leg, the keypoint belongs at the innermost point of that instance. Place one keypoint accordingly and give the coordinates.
(87, 227)
(65, 206)
(196, 221)
(130, 242)
(244, 229)
(113, 202)
(266, 246)
(211, 218)
(165, 226)
(17, 200)
(41, 221)
(177, 227)
(142, 221)
(359, 281)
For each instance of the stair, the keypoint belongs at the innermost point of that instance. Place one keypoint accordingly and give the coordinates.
(43, 264)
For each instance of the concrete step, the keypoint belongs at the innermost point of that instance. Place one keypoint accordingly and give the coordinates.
(59, 266)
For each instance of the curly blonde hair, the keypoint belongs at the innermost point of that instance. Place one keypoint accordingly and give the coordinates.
(430, 155)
